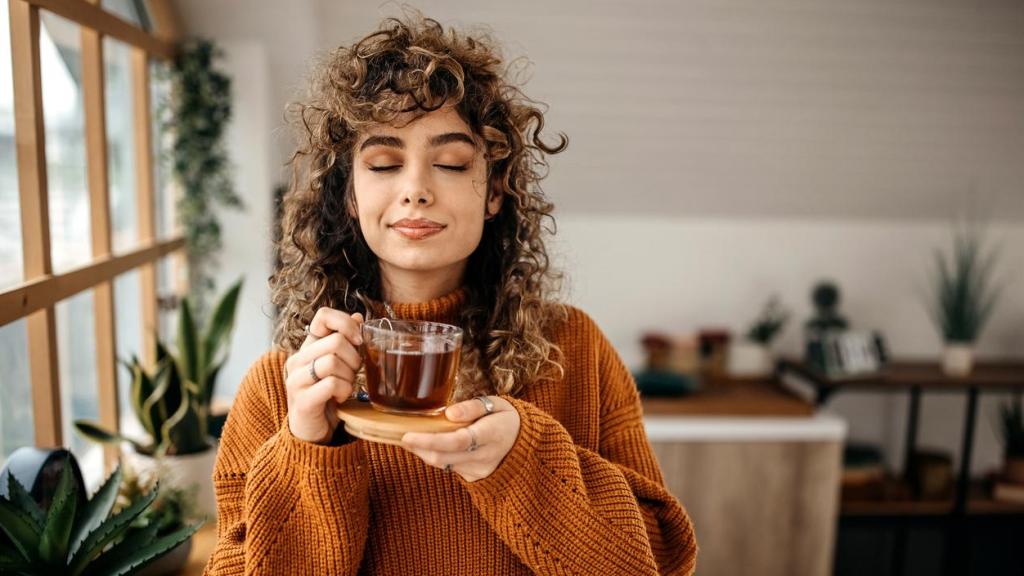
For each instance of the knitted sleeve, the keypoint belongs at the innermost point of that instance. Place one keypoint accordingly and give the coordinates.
(564, 509)
(282, 501)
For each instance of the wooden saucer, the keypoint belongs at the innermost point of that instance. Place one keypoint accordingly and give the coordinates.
(364, 421)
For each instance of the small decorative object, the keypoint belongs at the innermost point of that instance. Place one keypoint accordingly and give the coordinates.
(830, 346)
(74, 535)
(863, 472)
(751, 357)
(173, 402)
(714, 351)
(963, 299)
(826, 298)
(1013, 442)
(931, 474)
(847, 354)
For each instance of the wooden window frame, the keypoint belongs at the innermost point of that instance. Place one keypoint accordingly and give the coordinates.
(36, 297)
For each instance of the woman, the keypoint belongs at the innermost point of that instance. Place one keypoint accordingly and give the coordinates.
(415, 195)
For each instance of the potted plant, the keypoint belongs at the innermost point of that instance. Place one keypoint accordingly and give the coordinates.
(1012, 430)
(75, 535)
(173, 509)
(172, 402)
(751, 357)
(963, 300)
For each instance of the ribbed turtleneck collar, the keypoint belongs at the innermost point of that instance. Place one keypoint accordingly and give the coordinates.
(443, 309)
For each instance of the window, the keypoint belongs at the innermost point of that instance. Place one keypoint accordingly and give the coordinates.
(66, 316)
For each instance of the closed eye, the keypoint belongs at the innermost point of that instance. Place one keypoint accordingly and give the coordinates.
(397, 166)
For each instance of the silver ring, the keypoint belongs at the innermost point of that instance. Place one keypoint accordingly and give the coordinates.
(488, 404)
(306, 329)
(473, 446)
(312, 371)
(447, 467)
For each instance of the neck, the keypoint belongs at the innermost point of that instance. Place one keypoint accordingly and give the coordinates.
(413, 286)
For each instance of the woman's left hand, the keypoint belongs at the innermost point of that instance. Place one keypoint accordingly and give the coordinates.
(494, 434)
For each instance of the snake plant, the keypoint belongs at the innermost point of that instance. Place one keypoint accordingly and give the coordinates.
(77, 536)
(172, 402)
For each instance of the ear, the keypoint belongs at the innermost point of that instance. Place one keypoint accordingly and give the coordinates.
(493, 205)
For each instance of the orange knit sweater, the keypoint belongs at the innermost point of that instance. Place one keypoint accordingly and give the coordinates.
(579, 493)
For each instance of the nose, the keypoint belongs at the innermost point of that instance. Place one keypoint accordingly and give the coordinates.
(416, 188)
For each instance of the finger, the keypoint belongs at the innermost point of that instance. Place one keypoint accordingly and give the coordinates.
(337, 344)
(473, 409)
(312, 400)
(442, 459)
(327, 320)
(456, 441)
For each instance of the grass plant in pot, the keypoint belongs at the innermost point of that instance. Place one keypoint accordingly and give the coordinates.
(963, 299)
(172, 403)
(752, 357)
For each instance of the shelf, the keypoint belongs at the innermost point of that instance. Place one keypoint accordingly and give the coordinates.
(978, 503)
(731, 398)
(900, 375)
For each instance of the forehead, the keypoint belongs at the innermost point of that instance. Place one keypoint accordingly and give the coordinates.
(413, 130)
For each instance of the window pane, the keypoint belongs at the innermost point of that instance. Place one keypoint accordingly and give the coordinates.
(76, 354)
(164, 196)
(10, 216)
(165, 287)
(16, 427)
(127, 314)
(117, 58)
(61, 64)
(133, 11)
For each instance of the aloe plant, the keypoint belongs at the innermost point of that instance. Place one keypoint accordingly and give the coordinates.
(964, 293)
(172, 402)
(76, 536)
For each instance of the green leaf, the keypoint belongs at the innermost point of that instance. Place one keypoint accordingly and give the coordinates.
(218, 330)
(155, 406)
(60, 520)
(94, 432)
(133, 553)
(20, 528)
(22, 499)
(13, 563)
(96, 509)
(107, 532)
(188, 342)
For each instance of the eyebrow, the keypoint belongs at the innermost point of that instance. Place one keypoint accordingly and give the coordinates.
(439, 140)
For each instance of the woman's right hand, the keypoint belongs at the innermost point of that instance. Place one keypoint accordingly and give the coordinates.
(332, 342)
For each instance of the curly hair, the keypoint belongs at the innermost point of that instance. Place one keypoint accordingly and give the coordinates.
(410, 67)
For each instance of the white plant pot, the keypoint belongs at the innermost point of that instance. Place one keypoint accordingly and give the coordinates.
(183, 472)
(958, 359)
(750, 360)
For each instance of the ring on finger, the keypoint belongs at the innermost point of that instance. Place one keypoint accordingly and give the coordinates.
(312, 371)
(488, 404)
(473, 445)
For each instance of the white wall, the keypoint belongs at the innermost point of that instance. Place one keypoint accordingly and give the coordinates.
(720, 151)
(675, 274)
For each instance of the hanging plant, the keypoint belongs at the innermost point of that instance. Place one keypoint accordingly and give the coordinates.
(196, 115)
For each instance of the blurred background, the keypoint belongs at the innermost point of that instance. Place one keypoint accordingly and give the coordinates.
(801, 224)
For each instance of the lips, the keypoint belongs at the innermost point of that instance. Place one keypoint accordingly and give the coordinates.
(417, 229)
